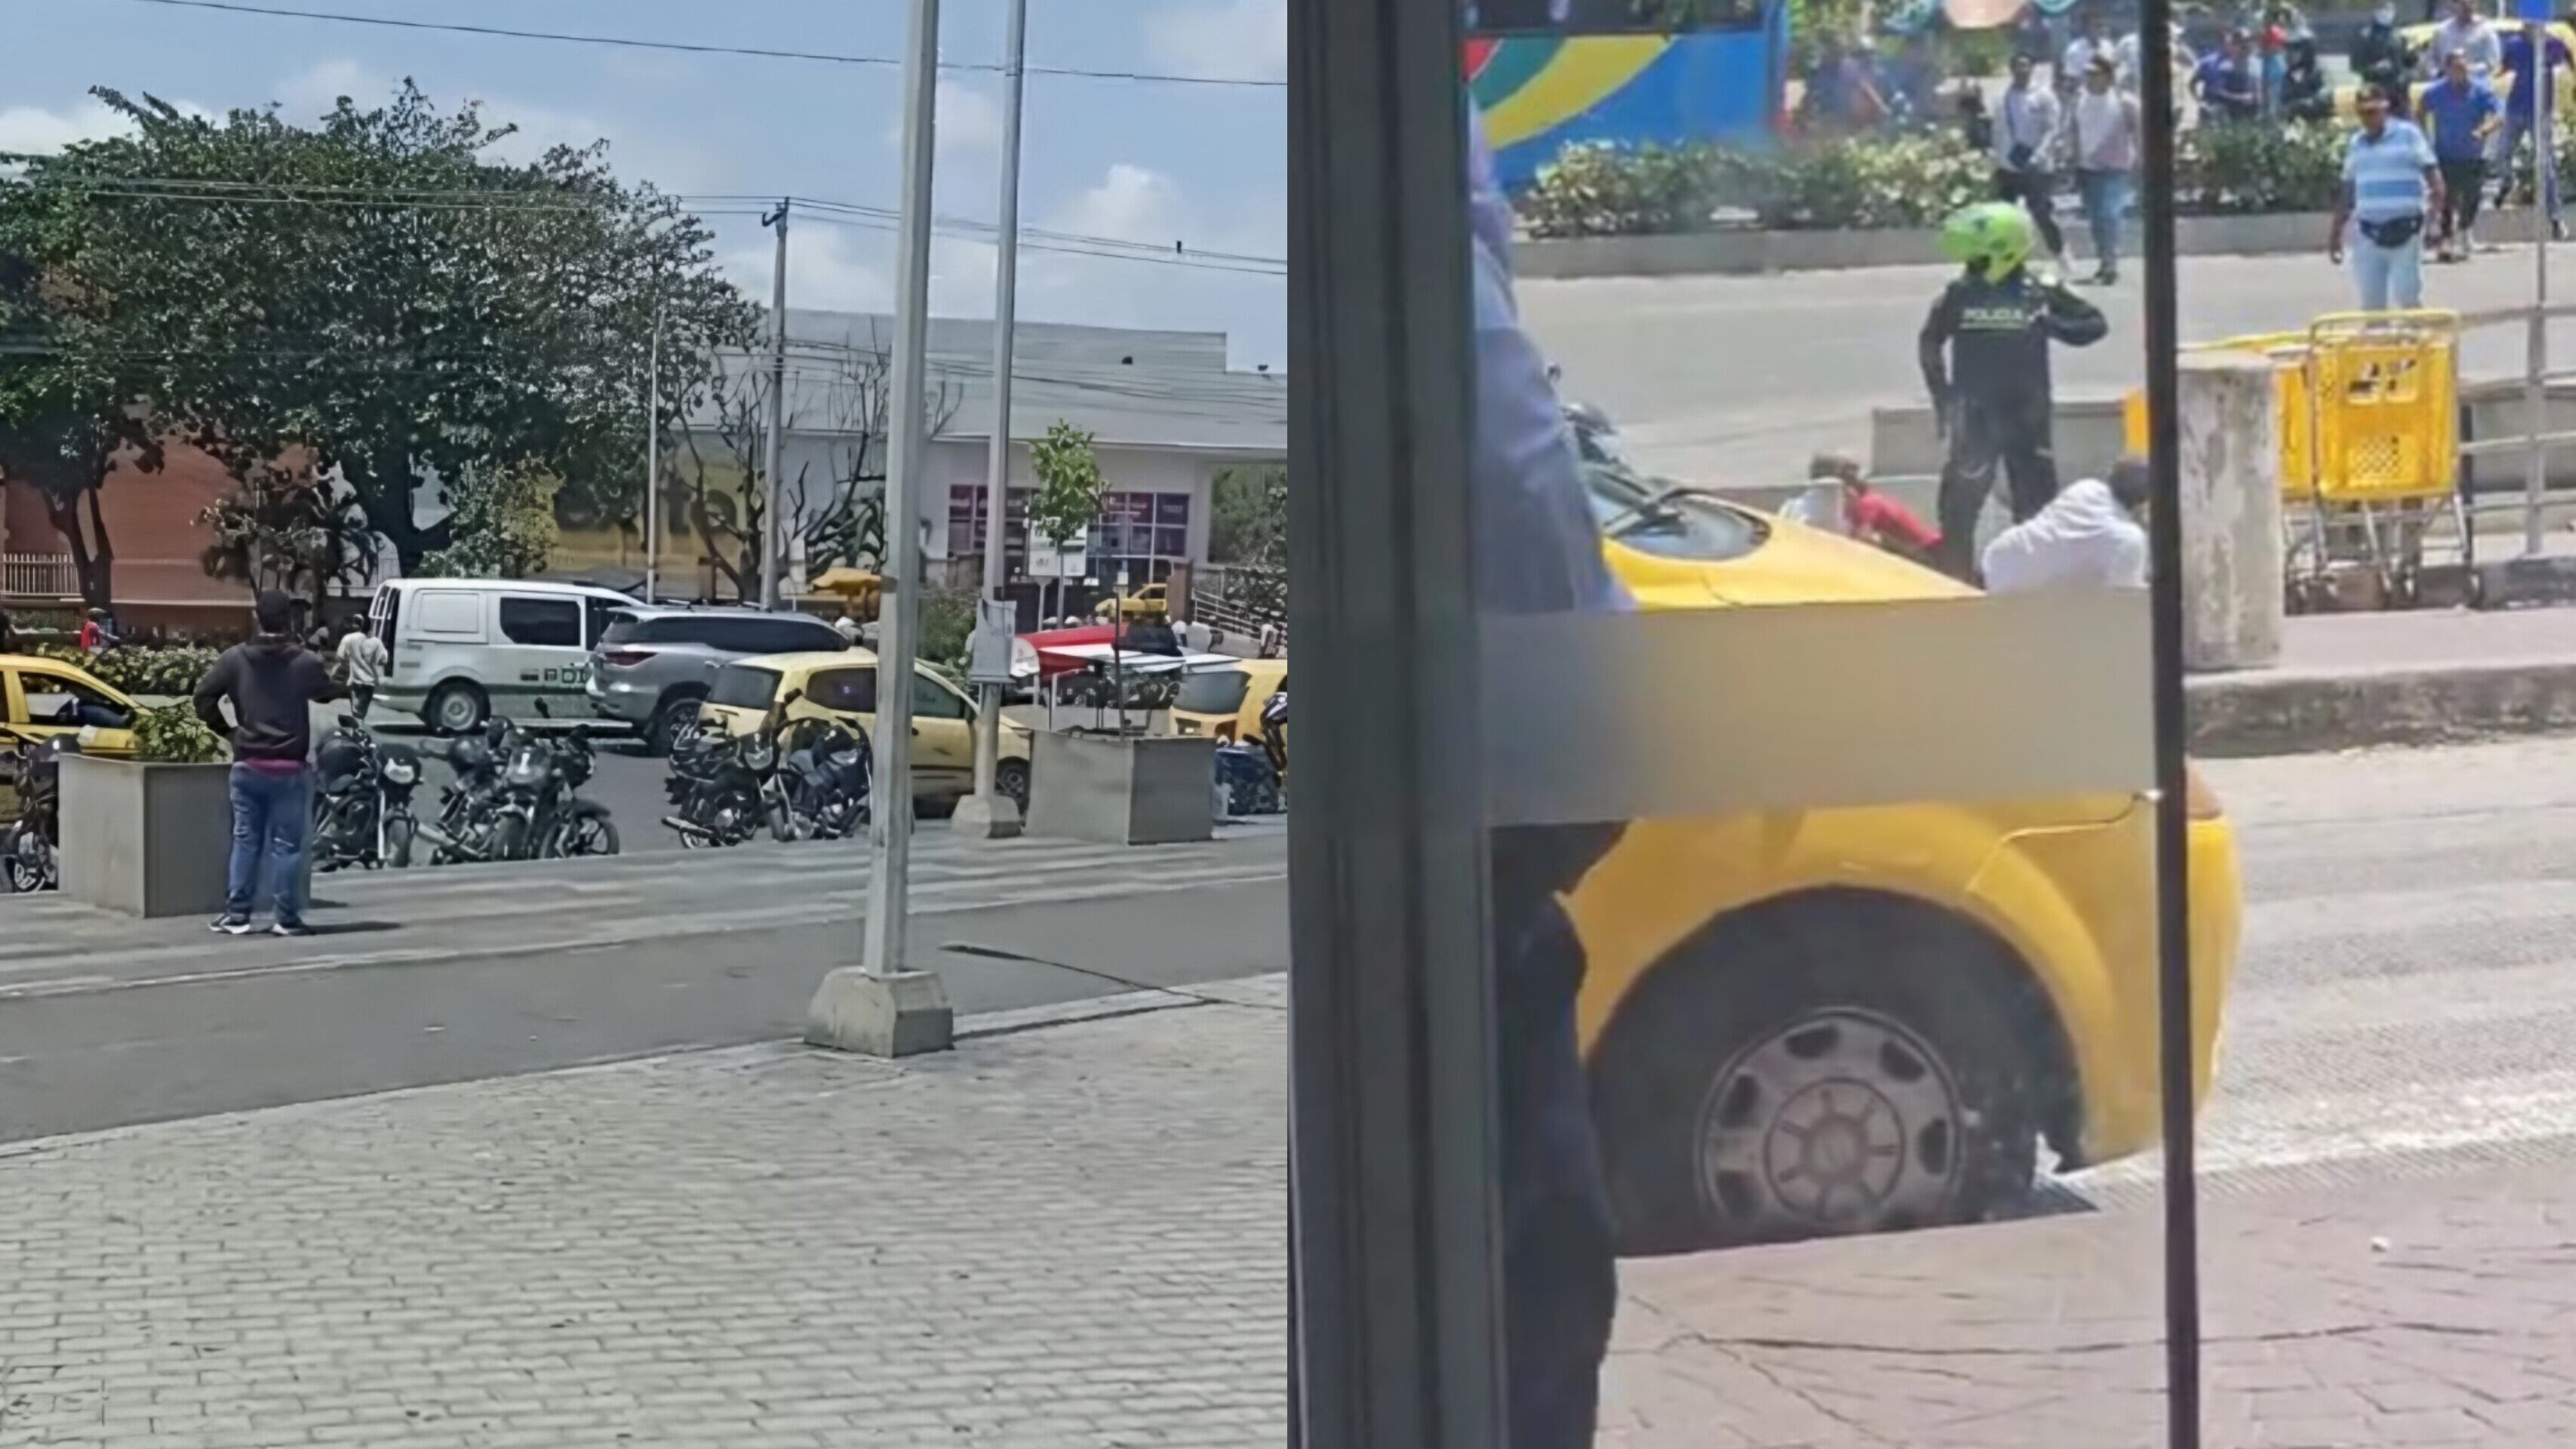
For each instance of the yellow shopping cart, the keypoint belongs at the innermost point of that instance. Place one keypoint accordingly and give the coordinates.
(2369, 417)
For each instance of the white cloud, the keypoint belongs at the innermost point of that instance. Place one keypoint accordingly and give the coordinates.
(35, 130)
(1244, 39)
(1138, 204)
(316, 90)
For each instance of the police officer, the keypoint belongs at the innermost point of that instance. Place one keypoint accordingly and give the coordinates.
(1985, 360)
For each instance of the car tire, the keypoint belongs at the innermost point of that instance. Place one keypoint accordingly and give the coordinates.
(1838, 1066)
(1011, 778)
(668, 717)
(456, 707)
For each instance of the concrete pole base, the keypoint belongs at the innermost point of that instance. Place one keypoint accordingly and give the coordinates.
(986, 817)
(901, 1015)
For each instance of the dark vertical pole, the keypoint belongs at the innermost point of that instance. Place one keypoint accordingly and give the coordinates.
(1394, 1221)
(2172, 854)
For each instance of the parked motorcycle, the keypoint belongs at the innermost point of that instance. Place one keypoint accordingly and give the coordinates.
(30, 850)
(362, 811)
(824, 779)
(516, 797)
(805, 781)
(468, 811)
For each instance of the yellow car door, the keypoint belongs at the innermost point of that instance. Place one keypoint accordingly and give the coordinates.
(943, 738)
(45, 701)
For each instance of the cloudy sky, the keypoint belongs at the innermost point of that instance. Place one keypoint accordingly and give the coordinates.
(1201, 165)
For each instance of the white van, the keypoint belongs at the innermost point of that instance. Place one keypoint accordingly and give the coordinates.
(467, 649)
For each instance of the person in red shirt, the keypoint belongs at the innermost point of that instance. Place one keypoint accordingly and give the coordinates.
(1874, 517)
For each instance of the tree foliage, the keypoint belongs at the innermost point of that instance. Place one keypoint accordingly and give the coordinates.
(836, 504)
(1248, 516)
(378, 288)
(503, 524)
(284, 528)
(1069, 484)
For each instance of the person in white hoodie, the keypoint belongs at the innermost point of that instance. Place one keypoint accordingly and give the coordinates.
(2087, 537)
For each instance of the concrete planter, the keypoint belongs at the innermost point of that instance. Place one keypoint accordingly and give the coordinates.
(145, 840)
(1142, 791)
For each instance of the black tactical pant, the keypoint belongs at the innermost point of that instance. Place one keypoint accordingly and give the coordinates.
(1984, 440)
(1560, 1285)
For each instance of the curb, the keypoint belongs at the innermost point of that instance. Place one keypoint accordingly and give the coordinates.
(2293, 713)
(1253, 991)
(1751, 251)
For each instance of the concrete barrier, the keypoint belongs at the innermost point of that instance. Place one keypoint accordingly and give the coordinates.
(1122, 791)
(145, 840)
(1752, 251)
(2291, 712)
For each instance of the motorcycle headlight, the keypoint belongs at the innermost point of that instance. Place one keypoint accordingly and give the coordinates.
(401, 772)
(759, 754)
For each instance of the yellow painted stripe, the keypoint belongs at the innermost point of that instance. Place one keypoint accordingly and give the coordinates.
(1585, 72)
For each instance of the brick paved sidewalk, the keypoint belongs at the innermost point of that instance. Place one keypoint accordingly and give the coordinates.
(1068, 1237)
(1073, 1237)
(2427, 1311)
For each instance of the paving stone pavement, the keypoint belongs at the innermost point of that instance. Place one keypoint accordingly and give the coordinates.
(1055, 1238)
(2422, 1312)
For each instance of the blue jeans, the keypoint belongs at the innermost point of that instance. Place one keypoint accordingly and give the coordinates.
(2388, 276)
(2106, 200)
(2517, 127)
(272, 813)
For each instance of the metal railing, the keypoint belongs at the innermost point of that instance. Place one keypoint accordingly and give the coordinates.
(2536, 441)
(38, 576)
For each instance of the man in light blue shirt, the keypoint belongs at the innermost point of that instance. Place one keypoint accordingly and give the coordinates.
(1537, 550)
(2391, 184)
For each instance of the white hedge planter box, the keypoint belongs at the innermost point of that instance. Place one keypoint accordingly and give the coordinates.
(1122, 791)
(146, 840)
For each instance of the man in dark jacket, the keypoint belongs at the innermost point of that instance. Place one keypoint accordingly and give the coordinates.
(272, 684)
(1984, 351)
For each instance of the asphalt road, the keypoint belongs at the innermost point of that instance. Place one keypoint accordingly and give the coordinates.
(445, 975)
(2407, 992)
(1739, 380)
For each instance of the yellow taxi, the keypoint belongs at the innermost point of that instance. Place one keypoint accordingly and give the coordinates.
(1226, 703)
(42, 698)
(1151, 599)
(842, 685)
(1849, 1020)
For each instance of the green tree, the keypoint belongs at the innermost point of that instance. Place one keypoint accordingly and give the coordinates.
(1248, 516)
(380, 290)
(283, 528)
(502, 526)
(1069, 488)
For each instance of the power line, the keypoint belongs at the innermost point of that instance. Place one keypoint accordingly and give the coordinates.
(695, 48)
(220, 192)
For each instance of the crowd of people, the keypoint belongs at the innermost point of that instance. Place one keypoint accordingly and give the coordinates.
(2068, 116)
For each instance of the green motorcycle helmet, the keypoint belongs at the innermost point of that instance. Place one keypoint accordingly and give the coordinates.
(1990, 238)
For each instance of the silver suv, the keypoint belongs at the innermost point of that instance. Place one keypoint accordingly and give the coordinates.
(655, 663)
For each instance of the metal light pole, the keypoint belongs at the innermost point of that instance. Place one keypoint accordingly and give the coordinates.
(988, 814)
(880, 1008)
(653, 465)
(772, 552)
(2544, 157)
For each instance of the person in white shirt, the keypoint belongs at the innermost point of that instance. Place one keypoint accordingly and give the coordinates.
(2087, 537)
(2464, 32)
(2026, 126)
(2104, 120)
(2093, 43)
(363, 661)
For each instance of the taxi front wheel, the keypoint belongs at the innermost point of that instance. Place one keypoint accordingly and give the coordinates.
(1809, 1072)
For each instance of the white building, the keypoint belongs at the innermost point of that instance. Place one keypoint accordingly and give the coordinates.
(1165, 413)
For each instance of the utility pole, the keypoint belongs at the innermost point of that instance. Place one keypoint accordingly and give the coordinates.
(987, 813)
(882, 1008)
(772, 551)
(2544, 198)
(653, 464)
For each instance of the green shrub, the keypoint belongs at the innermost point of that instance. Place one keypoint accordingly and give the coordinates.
(1598, 189)
(2252, 167)
(141, 669)
(173, 735)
